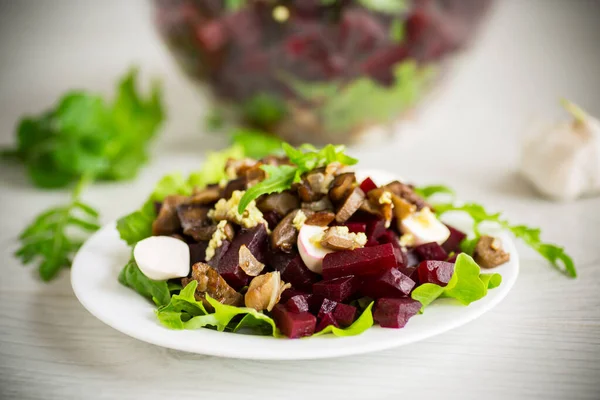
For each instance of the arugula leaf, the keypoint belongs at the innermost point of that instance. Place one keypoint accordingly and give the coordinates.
(278, 179)
(264, 109)
(256, 144)
(364, 322)
(397, 31)
(556, 255)
(466, 285)
(157, 291)
(55, 235)
(428, 191)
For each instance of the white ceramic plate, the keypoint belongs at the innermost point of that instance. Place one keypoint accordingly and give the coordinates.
(99, 261)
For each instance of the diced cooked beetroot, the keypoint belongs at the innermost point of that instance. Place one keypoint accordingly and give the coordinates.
(344, 314)
(338, 289)
(327, 307)
(453, 242)
(367, 185)
(229, 266)
(278, 260)
(412, 259)
(375, 229)
(392, 283)
(412, 273)
(390, 237)
(298, 275)
(219, 253)
(272, 219)
(367, 261)
(325, 321)
(298, 303)
(438, 272)
(294, 325)
(197, 252)
(363, 217)
(431, 251)
(288, 294)
(395, 313)
(356, 227)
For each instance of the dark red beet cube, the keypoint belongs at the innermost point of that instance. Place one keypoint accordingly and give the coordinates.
(454, 240)
(367, 185)
(278, 260)
(453, 258)
(431, 251)
(412, 258)
(229, 266)
(327, 307)
(298, 275)
(197, 252)
(375, 229)
(392, 283)
(412, 273)
(367, 261)
(438, 272)
(219, 253)
(298, 303)
(288, 294)
(328, 319)
(395, 313)
(344, 314)
(390, 237)
(294, 325)
(338, 289)
(356, 227)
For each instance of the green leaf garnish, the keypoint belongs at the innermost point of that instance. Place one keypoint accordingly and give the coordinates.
(305, 158)
(397, 31)
(56, 234)
(385, 6)
(264, 109)
(256, 144)
(556, 255)
(157, 291)
(466, 285)
(428, 191)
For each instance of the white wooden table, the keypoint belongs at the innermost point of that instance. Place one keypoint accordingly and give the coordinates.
(543, 341)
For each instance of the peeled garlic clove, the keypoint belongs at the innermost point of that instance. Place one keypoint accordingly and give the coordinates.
(563, 162)
(162, 257)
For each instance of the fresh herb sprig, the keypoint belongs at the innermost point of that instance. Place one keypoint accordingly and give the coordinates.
(556, 255)
(82, 139)
(304, 159)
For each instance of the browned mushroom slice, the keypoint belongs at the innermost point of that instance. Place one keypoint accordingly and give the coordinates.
(206, 196)
(284, 235)
(407, 193)
(167, 221)
(193, 219)
(237, 167)
(305, 192)
(340, 238)
(489, 253)
(350, 206)
(321, 218)
(248, 263)
(341, 187)
(280, 203)
(321, 205)
(265, 291)
(211, 283)
(234, 185)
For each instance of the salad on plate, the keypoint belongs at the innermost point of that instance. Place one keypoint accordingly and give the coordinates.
(295, 244)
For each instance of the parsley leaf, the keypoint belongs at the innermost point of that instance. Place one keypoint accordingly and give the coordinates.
(56, 234)
(278, 179)
(556, 255)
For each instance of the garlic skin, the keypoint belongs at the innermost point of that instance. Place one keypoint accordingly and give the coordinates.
(563, 162)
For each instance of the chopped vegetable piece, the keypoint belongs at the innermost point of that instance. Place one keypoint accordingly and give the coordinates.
(327, 320)
(452, 244)
(392, 283)
(395, 313)
(338, 289)
(294, 325)
(431, 251)
(345, 314)
(366, 261)
(437, 272)
(367, 185)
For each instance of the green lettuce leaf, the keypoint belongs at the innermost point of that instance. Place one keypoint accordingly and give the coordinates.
(213, 169)
(364, 322)
(157, 291)
(466, 285)
(256, 144)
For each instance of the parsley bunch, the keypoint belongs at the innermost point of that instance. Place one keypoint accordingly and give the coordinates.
(82, 139)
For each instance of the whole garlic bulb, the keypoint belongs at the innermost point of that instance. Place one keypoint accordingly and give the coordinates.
(563, 162)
